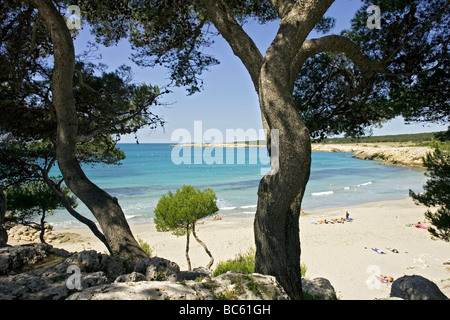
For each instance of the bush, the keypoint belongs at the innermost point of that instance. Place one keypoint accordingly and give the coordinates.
(437, 191)
(145, 247)
(244, 262)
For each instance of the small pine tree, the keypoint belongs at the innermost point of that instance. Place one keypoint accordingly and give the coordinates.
(437, 191)
(178, 212)
(33, 199)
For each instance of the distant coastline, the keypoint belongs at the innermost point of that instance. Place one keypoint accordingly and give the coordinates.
(252, 144)
(389, 153)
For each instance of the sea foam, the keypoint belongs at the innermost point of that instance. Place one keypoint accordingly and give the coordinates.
(324, 193)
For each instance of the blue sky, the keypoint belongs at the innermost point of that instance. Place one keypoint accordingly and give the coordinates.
(228, 100)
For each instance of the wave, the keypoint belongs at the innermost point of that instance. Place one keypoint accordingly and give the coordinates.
(324, 193)
(248, 207)
(365, 184)
(227, 208)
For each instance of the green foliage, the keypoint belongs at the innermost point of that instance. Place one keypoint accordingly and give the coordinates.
(335, 96)
(437, 192)
(108, 104)
(169, 33)
(244, 262)
(34, 198)
(175, 211)
(145, 246)
(416, 138)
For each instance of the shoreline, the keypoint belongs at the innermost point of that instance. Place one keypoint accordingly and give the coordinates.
(340, 252)
(389, 153)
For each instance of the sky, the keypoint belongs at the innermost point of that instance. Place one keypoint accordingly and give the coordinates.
(228, 99)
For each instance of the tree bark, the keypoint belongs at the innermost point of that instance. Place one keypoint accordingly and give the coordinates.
(280, 194)
(105, 208)
(42, 233)
(3, 233)
(211, 261)
(89, 223)
(187, 248)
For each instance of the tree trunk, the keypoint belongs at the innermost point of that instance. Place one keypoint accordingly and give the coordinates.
(105, 208)
(89, 223)
(211, 261)
(187, 248)
(42, 233)
(280, 194)
(3, 233)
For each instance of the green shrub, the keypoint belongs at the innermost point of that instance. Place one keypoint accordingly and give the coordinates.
(145, 246)
(244, 262)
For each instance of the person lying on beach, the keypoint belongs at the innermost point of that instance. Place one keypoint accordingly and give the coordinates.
(378, 251)
(333, 221)
(385, 279)
(420, 225)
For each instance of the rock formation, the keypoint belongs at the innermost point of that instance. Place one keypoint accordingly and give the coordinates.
(391, 155)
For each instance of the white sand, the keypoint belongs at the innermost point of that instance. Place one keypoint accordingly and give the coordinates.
(340, 253)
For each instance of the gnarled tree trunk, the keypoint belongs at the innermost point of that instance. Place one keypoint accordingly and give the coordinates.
(280, 194)
(105, 208)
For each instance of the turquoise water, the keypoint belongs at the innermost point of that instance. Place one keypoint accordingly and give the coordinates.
(150, 170)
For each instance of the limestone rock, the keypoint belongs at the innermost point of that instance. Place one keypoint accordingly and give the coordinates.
(21, 258)
(39, 271)
(403, 156)
(318, 289)
(158, 269)
(416, 288)
(196, 273)
(92, 261)
(131, 277)
(231, 285)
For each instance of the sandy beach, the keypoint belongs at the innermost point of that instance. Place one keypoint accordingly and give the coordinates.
(339, 252)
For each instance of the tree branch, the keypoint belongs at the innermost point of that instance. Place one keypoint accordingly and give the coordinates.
(294, 29)
(333, 43)
(283, 7)
(241, 44)
(66, 203)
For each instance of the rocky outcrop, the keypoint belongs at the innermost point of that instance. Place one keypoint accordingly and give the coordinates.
(19, 233)
(39, 271)
(158, 269)
(403, 156)
(231, 285)
(318, 289)
(416, 288)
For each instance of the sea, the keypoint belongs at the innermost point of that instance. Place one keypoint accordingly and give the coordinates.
(151, 170)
